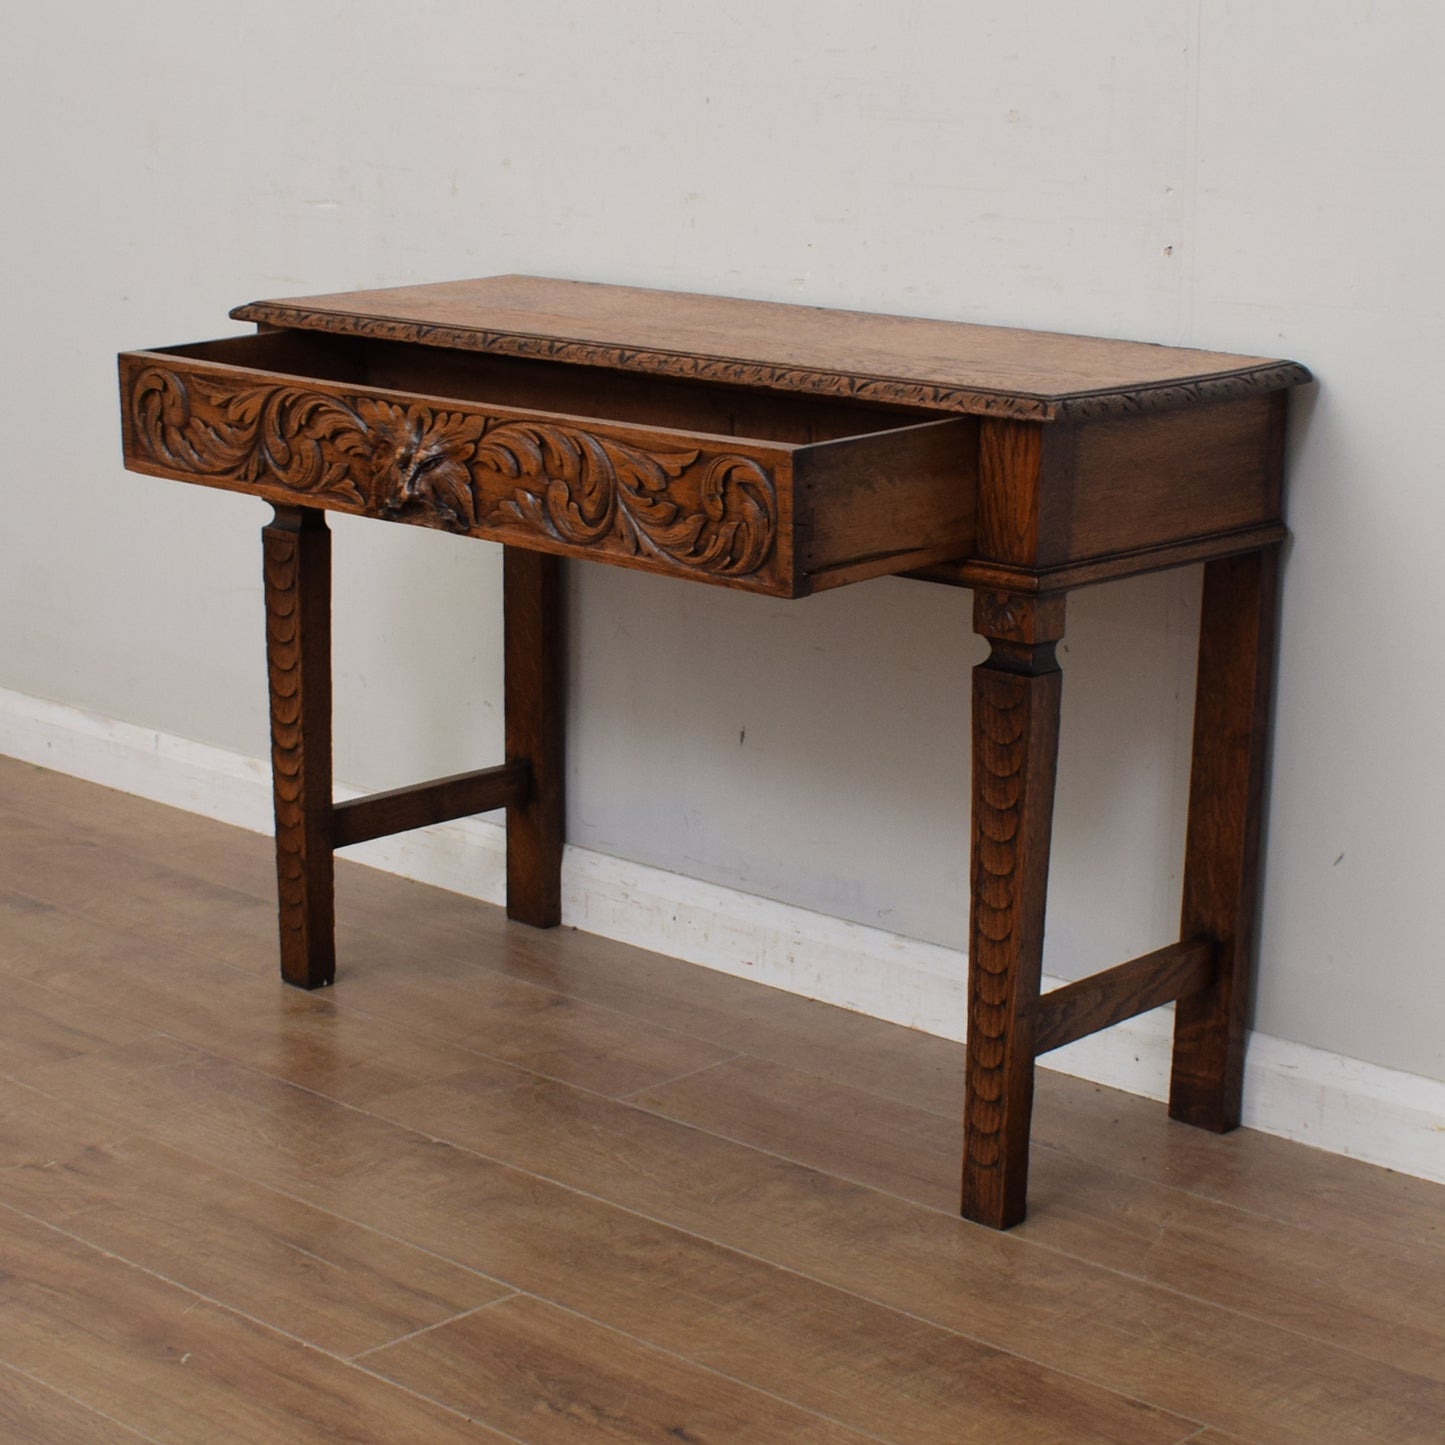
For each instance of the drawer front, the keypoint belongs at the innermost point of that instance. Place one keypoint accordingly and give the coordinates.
(711, 508)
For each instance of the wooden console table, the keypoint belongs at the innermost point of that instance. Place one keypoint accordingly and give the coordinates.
(775, 449)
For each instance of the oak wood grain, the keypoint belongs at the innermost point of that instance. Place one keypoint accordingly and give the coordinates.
(1253, 1288)
(1045, 454)
(1377, 1301)
(421, 804)
(139, 1349)
(1135, 562)
(1237, 627)
(334, 1284)
(547, 1375)
(946, 364)
(1344, 1199)
(411, 1023)
(1075, 1010)
(39, 1415)
(802, 1339)
(1229, 1372)
(1144, 481)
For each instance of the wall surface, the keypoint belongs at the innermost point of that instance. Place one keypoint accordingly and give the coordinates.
(1254, 178)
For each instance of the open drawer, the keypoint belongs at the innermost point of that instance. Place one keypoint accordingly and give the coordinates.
(769, 491)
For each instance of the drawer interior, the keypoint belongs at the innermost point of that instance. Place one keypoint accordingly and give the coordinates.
(553, 386)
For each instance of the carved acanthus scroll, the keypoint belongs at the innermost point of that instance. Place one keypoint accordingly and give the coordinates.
(465, 471)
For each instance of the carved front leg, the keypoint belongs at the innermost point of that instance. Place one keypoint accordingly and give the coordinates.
(297, 550)
(1015, 749)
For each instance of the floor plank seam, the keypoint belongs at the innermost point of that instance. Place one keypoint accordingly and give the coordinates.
(322, 1000)
(267, 901)
(1082, 1250)
(1274, 1220)
(328, 1002)
(1014, 1240)
(435, 1324)
(201, 1297)
(202, 1163)
(1021, 1237)
(631, 1098)
(925, 1319)
(1017, 1239)
(325, 999)
(130, 1430)
(932, 1324)
(652, 1347)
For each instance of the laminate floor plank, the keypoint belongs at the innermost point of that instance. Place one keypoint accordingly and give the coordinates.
(173, 1366)
(34, 1031)
(404, 1019)
(821, 1123)
(1376, 1301)
(35, 1414)
(334, 1284)
(76, 964)
(1248, 1169)
(880, 1370)
(1251, 1171)
(117, 889)
(1187, 1357)
(549, 1376)
(722, 1011)
(776, 1212)
(1183, 1355)
(1277, 1179)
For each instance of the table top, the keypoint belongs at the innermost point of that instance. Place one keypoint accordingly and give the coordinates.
(947, 366)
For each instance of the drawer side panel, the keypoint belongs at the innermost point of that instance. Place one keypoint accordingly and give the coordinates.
(880, 504)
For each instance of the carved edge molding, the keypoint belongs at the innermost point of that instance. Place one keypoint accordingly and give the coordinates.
(463, 471)
(1159, 396)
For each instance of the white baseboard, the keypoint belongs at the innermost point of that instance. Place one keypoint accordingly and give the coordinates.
(1292, 1090)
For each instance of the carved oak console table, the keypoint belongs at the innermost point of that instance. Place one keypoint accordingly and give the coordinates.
(781, 450)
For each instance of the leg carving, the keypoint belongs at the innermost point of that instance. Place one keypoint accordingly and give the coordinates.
(1016, 695)
(297, 556)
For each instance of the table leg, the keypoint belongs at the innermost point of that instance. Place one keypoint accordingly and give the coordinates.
(297, 552)
(1221, 862)
(1016, 695)
(535, 730)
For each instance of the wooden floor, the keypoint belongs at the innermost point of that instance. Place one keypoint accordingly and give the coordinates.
(507, 1185)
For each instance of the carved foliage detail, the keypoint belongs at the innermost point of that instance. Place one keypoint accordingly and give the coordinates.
(304, 441)
(463, 471)
(997, 614)
(584, 489)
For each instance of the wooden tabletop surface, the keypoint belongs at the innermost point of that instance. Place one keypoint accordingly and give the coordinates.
(947, 365)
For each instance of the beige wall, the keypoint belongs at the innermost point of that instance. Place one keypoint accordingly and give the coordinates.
(1252, 177)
